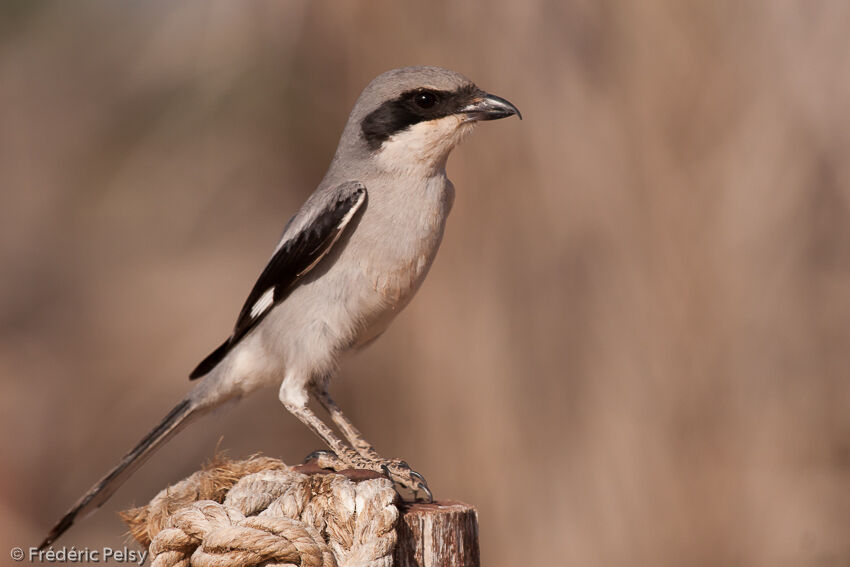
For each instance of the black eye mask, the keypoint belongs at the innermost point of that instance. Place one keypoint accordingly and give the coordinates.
(412, 107)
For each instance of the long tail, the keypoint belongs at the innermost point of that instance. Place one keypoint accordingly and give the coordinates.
(176, 419)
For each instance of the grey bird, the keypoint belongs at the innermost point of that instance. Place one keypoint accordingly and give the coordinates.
(349, 260)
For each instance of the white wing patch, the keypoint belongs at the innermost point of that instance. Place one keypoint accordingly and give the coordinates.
(360, 198)
(262, 305)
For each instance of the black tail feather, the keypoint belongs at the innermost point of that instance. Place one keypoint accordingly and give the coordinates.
(104, 488)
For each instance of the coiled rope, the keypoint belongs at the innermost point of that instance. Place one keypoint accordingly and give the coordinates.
(261, 512)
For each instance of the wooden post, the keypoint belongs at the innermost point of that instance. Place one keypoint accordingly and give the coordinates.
(442, 534)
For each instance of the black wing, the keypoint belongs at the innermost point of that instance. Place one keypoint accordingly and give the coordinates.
(295, 257)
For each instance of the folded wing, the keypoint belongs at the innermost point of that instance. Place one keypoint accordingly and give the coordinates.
(295, 257)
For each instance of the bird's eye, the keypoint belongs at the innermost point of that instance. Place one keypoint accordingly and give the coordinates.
(425, 99)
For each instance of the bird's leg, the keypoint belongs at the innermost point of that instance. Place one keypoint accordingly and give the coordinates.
(397, 470)
(345, 457)
(413, 485)
(355, 438)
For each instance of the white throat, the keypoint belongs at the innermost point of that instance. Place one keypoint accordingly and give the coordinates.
(424, 147)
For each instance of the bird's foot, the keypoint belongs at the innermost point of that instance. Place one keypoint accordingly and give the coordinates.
(410, 485)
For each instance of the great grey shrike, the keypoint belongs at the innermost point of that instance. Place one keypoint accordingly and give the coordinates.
(349, 261)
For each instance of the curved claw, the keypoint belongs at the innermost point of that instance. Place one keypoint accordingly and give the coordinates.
(424, 488)
(418, 477)
(386, 470)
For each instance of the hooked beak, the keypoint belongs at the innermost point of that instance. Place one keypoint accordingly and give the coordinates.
(489, 107)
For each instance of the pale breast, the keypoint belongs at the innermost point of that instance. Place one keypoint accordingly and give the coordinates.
(401, 242)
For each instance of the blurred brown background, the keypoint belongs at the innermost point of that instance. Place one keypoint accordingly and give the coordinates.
(632, 349)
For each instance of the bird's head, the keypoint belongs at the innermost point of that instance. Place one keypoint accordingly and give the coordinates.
(411, 118)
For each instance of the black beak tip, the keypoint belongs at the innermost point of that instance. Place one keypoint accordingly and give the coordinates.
(498, 107)
(491, 107)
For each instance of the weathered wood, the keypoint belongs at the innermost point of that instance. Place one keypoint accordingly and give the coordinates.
(442, 534)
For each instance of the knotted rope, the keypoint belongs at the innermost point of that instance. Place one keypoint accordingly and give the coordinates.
(261, 512)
